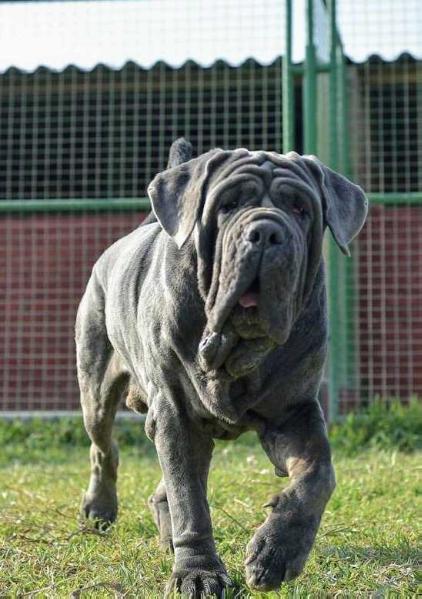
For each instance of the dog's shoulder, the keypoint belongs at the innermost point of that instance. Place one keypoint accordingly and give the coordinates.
(126, 252)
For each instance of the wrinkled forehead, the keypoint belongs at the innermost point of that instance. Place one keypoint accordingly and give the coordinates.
(260, 172)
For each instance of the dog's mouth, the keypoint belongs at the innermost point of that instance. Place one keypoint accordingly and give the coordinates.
(249, 299)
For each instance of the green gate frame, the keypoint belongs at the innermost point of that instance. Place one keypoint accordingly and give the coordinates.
(336, 151)
(335, 148)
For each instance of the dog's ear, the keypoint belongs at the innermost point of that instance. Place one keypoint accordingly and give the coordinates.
(345, 206)
(181, 151)
(177, 194)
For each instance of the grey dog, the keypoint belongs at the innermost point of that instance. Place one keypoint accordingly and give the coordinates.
(211, 318)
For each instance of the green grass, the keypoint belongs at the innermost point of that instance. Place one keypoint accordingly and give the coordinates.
(367, 545)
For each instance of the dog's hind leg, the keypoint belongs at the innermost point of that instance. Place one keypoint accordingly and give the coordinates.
(99, 408)
(159, 507)
(102, 381)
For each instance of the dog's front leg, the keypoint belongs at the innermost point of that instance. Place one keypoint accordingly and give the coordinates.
(184, 452)
(298, 449)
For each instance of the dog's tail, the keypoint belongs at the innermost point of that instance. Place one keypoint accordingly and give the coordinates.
(181, 151)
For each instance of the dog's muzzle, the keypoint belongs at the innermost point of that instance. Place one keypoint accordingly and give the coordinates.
(255, 250)
(262, 235)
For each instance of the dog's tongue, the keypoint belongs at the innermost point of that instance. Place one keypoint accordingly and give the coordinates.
(249, 299)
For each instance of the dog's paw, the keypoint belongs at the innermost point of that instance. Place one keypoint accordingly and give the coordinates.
(278, 552)
(197, 583)
(101, 508)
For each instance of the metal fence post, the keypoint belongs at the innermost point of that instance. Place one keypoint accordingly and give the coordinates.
(287, 82)
(333, 257)
(310, 96)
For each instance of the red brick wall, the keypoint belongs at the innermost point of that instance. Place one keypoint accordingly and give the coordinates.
(45, 262)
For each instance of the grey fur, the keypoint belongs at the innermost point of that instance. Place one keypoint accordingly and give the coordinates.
(160, 323)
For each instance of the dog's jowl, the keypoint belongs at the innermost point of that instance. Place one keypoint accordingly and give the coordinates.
(211, 319)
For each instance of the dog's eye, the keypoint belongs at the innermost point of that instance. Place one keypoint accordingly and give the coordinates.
(299, 210)
(225, 208)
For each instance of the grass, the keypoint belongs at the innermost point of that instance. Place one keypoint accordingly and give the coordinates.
(367, 545)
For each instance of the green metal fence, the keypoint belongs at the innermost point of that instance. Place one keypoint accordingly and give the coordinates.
(374, 334)
(79, 146)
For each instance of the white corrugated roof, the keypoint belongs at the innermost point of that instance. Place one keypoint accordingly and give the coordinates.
(85, 33)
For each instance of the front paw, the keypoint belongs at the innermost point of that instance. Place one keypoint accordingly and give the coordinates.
(278, 551)
(198, 582)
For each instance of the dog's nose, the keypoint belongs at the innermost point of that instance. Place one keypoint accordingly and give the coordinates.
(264, 233)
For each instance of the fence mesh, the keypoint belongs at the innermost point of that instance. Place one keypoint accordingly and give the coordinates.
(379, 293)
(92, 93)
(45, 260)
(106, 133)
(89, 107)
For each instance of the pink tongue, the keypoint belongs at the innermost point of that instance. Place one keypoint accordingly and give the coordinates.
(249, 299)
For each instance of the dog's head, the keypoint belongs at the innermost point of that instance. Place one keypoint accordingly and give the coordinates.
(257, 221)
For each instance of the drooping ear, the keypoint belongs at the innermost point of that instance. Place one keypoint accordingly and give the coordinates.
(177, 194)
(345, 205)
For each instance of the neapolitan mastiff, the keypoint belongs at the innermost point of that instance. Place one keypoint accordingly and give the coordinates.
(211, 317)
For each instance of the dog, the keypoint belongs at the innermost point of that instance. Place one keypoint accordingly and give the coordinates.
(211, 318)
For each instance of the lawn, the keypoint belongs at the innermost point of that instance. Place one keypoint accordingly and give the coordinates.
(367, 545)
